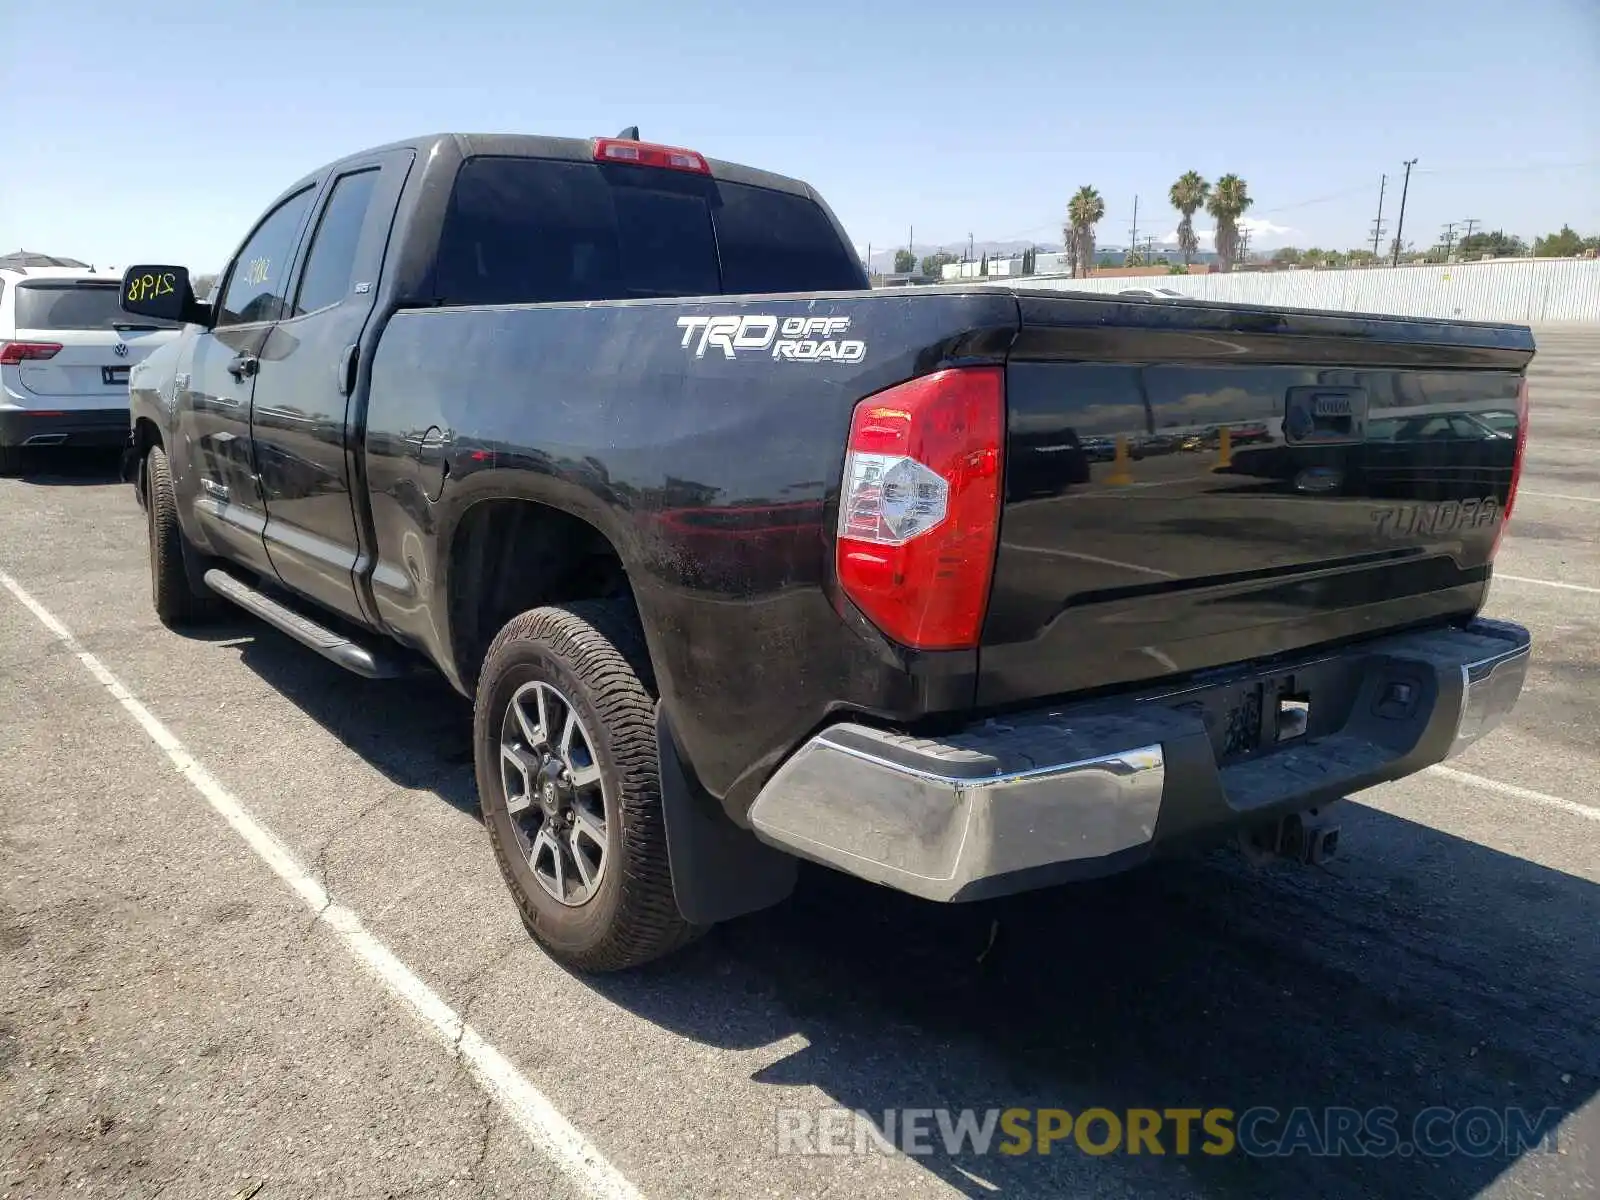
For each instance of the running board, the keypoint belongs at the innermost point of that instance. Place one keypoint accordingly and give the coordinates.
(333, 646)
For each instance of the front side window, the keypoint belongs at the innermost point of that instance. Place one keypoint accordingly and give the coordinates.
(331, 262)
(258, 281)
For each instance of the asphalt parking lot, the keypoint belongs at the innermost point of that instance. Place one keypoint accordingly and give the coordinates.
(180, 1017)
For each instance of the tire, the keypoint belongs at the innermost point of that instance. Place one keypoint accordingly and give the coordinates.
(179, 598)
(10, 460)
(588, 658)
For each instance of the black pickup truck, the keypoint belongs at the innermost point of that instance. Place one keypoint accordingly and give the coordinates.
(744, 562)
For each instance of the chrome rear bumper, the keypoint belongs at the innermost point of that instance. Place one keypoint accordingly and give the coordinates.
(1069, 792)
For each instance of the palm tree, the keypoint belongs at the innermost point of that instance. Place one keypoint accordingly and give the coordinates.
(1227, 204)
(1188, 196)
(1084, 211)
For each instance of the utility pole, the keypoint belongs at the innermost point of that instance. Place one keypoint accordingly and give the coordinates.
(911, 241)
(1377, 224)
(1400, 223)
(1448, 239)
(969, 248)
(869, 260)
(1467, 236)
(1244, 245)
(1133, 236)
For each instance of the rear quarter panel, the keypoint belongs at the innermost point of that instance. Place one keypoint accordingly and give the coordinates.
(714, 472)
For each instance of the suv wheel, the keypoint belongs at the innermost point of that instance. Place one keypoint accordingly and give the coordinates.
(180, 598)
(565, 747)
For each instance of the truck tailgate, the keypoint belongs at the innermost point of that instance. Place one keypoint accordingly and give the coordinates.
(1191, 485)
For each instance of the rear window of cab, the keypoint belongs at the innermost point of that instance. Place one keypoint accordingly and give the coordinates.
(529, 230)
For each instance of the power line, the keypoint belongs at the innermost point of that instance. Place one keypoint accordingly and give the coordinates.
(1519, 169)
(1308, 203)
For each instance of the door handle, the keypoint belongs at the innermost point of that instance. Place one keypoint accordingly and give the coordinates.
(347, 369)
(243, 366)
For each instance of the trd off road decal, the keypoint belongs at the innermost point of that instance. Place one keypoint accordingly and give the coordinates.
(794, 339)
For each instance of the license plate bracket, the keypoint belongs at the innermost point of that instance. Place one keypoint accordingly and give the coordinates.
(113, 375)
(1249, 717)
(1240, 721)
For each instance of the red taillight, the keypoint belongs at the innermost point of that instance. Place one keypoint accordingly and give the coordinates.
(648, 154)
(1516, 467)
(919, 511)
(11, 353)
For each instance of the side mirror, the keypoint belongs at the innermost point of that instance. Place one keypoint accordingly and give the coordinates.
(162, 292)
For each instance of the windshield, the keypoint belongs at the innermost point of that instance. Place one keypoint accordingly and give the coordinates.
(77, 305)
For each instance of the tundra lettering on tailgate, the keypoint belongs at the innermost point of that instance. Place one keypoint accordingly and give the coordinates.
(795, 339)
(1411, 519)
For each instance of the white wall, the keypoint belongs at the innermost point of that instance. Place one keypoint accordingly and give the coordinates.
(1532, 291)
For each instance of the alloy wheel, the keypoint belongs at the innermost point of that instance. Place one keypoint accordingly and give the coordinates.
(554, 793)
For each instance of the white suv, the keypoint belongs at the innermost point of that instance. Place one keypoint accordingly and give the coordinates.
(65, 350)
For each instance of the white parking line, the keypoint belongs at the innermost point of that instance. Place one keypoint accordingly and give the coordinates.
(1587, 811)
(1571, 587)
(573, 1154)
(1556, 496)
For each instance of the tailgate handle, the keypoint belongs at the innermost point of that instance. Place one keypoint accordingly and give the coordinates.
(1325, 415)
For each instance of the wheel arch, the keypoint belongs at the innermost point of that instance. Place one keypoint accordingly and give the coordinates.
(144, 435)
(507, 552)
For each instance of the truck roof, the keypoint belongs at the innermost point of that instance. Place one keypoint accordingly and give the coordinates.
(527, 145)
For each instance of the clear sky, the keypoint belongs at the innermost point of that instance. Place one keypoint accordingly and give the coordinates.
(136, 129)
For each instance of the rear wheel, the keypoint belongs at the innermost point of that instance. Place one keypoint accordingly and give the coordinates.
(10, 460)
(180, 598)
(564, 741)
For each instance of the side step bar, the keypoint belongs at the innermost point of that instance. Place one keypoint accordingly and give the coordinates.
(333, 646)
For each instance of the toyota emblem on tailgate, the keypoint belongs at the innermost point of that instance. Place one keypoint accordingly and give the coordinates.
(120, 349)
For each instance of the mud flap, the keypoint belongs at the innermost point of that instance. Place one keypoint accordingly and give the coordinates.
(719, 871)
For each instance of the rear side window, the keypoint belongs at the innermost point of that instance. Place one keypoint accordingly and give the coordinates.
(260, 274)
(523, 230)
(331, 262)
(62, 305)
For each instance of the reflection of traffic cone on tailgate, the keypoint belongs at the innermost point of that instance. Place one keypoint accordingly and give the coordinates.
(1224, 450)
(1119, 465)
